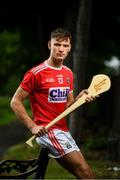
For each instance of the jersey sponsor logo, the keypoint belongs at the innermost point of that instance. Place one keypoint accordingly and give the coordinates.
(58, 94)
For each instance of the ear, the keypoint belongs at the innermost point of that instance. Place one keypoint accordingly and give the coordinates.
(49, 44)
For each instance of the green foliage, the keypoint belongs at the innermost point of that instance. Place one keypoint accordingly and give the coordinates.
(10, 59)
(95, 143)
(15, 59)
(6, 114)
(9, 52)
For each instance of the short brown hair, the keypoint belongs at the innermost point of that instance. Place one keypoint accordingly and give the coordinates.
(61, 33)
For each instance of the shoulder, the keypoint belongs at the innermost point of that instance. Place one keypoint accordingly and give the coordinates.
(37, 69)
(67, 69)
(34, 72)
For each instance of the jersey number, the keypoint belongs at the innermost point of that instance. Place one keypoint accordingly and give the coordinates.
(60, 80)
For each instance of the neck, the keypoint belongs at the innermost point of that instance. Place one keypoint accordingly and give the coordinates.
(57, 63)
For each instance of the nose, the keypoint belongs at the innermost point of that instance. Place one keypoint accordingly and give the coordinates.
(61, 48)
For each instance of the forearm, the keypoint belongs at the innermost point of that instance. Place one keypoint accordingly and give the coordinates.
(21, 113)
(72, 99)
(70, 102)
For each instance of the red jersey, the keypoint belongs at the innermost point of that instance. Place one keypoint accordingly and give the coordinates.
(48, 89)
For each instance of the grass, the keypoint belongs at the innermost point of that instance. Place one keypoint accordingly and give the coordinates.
(55, 171)
(23, 152)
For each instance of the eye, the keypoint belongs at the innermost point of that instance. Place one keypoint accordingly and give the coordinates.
(57, 44)
(66, 45)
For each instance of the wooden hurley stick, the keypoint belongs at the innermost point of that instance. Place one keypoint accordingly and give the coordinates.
(99, 84)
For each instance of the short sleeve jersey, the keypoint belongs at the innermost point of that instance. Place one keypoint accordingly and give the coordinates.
(48, 89)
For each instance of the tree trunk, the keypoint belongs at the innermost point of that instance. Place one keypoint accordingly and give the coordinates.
(70, 24)
(114, 134)
(80, 57)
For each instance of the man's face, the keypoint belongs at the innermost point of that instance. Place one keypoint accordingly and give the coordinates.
(59, 48)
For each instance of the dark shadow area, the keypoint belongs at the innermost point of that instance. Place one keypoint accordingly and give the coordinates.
(11, 134)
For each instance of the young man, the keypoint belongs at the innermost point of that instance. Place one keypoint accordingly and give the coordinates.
(50, 89)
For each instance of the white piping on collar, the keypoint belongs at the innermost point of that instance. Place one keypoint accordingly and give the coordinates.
(53, 67)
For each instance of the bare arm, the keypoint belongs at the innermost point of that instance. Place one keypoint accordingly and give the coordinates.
(71, 98)
(20, 111)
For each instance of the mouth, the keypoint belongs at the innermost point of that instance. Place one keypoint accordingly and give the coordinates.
(60, 55)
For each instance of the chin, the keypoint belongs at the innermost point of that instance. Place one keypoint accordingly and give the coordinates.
(60, 59)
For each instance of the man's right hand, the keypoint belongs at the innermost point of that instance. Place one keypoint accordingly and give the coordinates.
(38, 130)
